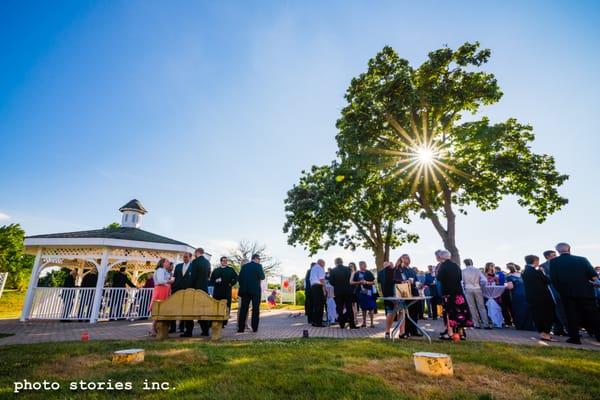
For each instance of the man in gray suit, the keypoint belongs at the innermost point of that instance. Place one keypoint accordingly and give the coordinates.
(251, 275)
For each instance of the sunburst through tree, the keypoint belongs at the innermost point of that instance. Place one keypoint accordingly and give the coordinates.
(421, 159)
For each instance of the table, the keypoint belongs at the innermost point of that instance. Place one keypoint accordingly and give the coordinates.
(494, 311)
(493, 291)
(404, 303)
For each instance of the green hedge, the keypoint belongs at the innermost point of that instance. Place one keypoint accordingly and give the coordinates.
(300, 297)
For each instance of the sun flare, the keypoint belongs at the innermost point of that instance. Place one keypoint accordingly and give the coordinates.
(425, 155)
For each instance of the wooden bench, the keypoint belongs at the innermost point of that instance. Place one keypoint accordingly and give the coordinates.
(189, 304)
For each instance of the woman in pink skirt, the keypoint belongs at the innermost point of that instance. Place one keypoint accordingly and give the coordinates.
(162, 286)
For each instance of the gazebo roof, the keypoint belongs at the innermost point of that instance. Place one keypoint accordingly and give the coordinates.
(123, 237)
(114, 233)
(134, 205)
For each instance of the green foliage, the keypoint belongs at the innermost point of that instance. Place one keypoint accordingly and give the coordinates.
(113, 225)
(300, 297)
(336, 205)
(54, 278)
(12, 257)
(11, 303)
(395, 111)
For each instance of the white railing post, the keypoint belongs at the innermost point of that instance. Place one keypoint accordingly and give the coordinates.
(32, 285)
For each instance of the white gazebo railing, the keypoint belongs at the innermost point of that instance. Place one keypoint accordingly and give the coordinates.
(51, 303)
(3, 278)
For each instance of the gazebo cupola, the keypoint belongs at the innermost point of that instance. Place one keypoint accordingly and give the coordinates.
(132, 214)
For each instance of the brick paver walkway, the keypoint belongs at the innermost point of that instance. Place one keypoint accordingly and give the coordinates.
(274, 324)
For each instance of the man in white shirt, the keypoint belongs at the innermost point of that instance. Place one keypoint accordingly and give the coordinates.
(473, 280)
(318, 290)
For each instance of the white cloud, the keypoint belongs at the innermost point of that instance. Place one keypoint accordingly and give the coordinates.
(4, 217)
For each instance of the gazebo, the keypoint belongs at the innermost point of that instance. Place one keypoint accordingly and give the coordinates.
(100, 250)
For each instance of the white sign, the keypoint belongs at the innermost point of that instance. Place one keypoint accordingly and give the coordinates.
(288, 290)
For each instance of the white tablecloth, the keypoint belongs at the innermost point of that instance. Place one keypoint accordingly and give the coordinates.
(493, 291)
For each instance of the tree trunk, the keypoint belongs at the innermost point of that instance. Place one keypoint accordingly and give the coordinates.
(379, 256)
(447, 234)
(450, 237)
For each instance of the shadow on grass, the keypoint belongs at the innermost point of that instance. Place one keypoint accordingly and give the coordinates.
(299, 369)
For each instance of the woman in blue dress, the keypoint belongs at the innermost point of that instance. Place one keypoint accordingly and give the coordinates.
(364, 280)
(520, 308)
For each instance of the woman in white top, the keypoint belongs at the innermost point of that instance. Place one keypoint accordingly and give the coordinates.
(162, 286)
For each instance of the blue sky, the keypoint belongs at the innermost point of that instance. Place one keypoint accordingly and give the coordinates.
(208, 111)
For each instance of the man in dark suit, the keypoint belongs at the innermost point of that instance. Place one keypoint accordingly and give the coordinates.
(68, 295)
(223, 279)
(251, 275)
(339, 278)
(560, 319)
(539, 297)
(86, 303)
(201, 268)
(183, 280)
(574, 278)
(118, 298)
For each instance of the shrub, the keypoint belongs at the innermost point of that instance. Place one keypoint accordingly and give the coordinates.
(300, 297)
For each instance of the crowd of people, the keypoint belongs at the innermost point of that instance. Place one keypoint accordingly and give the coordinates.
(197, 274)
(557, 297)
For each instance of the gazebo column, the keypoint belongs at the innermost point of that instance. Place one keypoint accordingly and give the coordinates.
(102, 271)
(35, 272)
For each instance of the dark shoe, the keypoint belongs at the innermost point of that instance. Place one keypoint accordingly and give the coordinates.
(416, 334)
(444, 333)
(254, 330)
(403, 336)
(342, 326)
(488, 327)
(185, 335)
(445, 337)
(240, 331)
(387, 335)
(573, 340)
(354, 327)
(318, 325)
(204, 334)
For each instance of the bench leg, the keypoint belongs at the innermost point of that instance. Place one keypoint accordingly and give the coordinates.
(217, 326)
(162, 329)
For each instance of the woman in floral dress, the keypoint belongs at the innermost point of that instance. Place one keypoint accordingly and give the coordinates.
(456, 310)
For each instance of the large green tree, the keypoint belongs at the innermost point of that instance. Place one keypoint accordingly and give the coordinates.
(335, 205)
(13, 258)
(405, 123)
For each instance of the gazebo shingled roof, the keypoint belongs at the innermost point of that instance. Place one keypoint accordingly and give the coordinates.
(114, 233)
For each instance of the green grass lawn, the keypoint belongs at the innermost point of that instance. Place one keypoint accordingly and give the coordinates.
(299, 369)
(11, 303)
